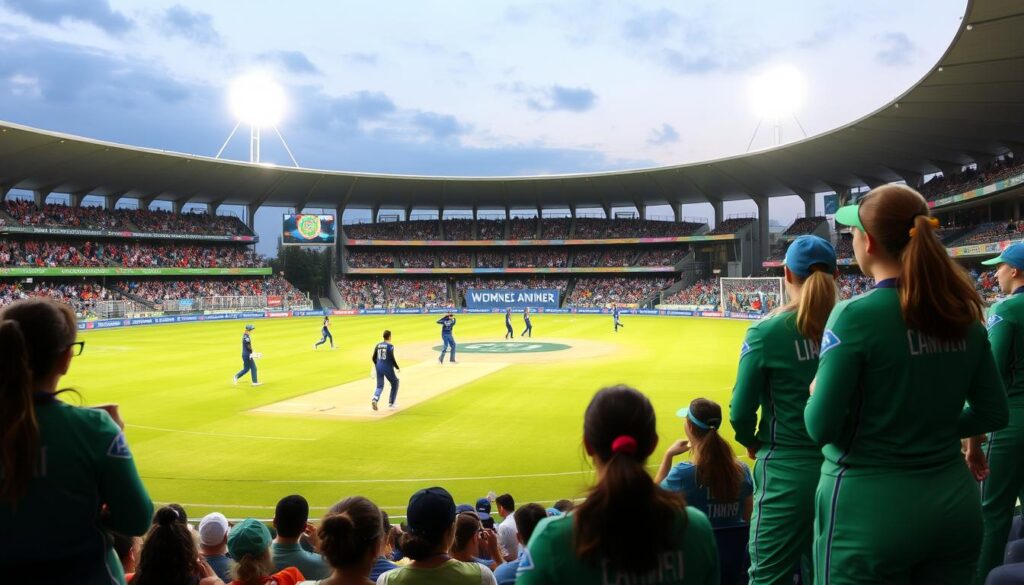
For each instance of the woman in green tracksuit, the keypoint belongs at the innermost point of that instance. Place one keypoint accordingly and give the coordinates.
(1004, 452)
(66, 474)
(777, 363)
(896, 502)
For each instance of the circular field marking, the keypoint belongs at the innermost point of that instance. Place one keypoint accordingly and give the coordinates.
(508, 347)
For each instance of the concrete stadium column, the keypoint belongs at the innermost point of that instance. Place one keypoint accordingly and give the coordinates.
(40, 195)
(75, 199)
(476, 212)
(408, 212)
(808, 199)
(677, 212)
(508, 213)
(251, 210)
(374, 211)
(762, 232)
(177, 206)
(110, 201)
(607, 210)
(4, 190)
(572, 210)
(641, 210)
(719, 208)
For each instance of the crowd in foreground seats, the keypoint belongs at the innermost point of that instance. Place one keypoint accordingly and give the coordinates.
(601, 291)
(52, 253)
(393, 293)
(804, 225)
(26, 213)
(157, 291)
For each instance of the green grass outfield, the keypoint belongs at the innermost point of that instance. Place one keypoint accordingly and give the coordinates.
(518, 430)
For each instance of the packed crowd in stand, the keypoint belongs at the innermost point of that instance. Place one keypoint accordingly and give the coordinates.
(750, 296)
(804, 225)
(600, 291)
(417, 229)
(543, 258)
(490, 259)
(587, 257)
(81, 296)
(157, 291)
(731, 225)
(393, 293)
(490, 229)
(54, 253)
(362, 258)
(415, 259)
(852, 284)
(661, 256)
(994, 231)
(618, 257)
(458, 229)
(941, 186)
(26, 213)
(522, 228)
(704, 293)
(555, 228)
(454, 259)
(530, 228)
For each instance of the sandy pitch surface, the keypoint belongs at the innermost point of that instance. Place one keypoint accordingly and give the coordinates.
(422, 378)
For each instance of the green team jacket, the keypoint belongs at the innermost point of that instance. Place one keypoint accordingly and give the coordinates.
(890, 397)
(84, 466)
(777, 365)
(1006, 334)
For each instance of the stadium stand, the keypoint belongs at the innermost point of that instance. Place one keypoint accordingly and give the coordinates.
(157, 291)
(704, 292)
(49, 253)
(731, 225)
(490, 229)
(941, 186)
(490, 259)
(600, 291)
(457, 229)
(804, 225)
(369, 259)
(393, 292)
(417, 229)
(660, 256)
(520, 228)
(26, 213)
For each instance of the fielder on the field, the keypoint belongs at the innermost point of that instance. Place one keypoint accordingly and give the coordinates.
(248, 357)
(325, 333)
(384, 362)
(447, 323)
(615, 318)
(509, 334)
(528, 332)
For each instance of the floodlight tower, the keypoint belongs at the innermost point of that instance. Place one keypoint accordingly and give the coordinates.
(776, 94)
(258, 101)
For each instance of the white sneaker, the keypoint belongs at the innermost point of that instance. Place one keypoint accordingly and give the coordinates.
(234, 380)
(392, 406)
(314, 347)
(257, 383)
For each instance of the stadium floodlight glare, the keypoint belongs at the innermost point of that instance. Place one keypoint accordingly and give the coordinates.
(778, 91)
(257, 100)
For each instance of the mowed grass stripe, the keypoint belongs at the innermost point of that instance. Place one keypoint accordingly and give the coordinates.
(523, 420)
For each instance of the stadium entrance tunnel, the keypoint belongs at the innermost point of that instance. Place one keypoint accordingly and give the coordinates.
(507, 347)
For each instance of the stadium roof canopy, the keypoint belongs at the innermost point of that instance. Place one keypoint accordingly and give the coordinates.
(968, 108)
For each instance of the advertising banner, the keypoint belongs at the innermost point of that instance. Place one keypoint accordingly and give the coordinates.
(479, 298)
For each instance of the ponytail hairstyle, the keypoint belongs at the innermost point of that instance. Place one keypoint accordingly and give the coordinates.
(352, 530)
(169, 554)
(467, 526)
(937, 297)
(717, 467)
(818, 296)
(626, 520)
(34, 334)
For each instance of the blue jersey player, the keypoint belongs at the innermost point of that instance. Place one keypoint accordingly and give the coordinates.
(248, 357)
(386, 366)
(447, 323)
(615, 317)
(509, 334)
(528, 332)
(325, 333)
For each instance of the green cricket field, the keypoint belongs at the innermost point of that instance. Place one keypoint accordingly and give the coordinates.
(507, 418)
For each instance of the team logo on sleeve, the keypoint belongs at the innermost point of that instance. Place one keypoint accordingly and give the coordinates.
(745, 349)
(993, 320)
(525, 562)
(119, 448)
(828, 341)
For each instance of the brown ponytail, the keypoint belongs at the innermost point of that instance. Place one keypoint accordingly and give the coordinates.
(817, 298)
(717, 468)
(20, 434)
(34, 333)
(626, 520)
(937, 297)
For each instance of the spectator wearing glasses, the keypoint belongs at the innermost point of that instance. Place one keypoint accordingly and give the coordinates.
(88, 481)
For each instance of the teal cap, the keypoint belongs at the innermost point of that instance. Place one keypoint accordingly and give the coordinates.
(806, 251)
(248, 537)
(850, 215)
(1012, 255)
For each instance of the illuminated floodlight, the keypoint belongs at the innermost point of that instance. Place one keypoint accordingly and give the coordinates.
(257, 100)
(778, 92)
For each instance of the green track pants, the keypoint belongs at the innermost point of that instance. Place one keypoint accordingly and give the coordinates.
(897, 526)
(782, 522)
(1005, 450)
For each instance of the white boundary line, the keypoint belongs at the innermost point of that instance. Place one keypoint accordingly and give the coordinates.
(218, 434)
(255, 507)
(378, 481)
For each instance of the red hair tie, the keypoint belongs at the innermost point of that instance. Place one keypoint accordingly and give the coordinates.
(624, 444)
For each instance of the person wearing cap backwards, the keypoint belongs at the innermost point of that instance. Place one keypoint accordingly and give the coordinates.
(905, 371)
(248, 361)
(778, 360)
(715, 482)
(1003, 454)
(628, 530)
(430, 516)
(447, 323)
(249, 544)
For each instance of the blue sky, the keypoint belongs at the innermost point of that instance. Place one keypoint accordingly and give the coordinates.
(461, 88)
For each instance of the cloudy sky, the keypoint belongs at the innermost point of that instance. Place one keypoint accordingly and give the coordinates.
(461, 88)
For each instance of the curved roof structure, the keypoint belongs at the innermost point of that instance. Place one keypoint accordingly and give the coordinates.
(968, 108)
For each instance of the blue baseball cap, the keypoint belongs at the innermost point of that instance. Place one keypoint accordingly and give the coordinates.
(1012, 255)
(806, 251)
